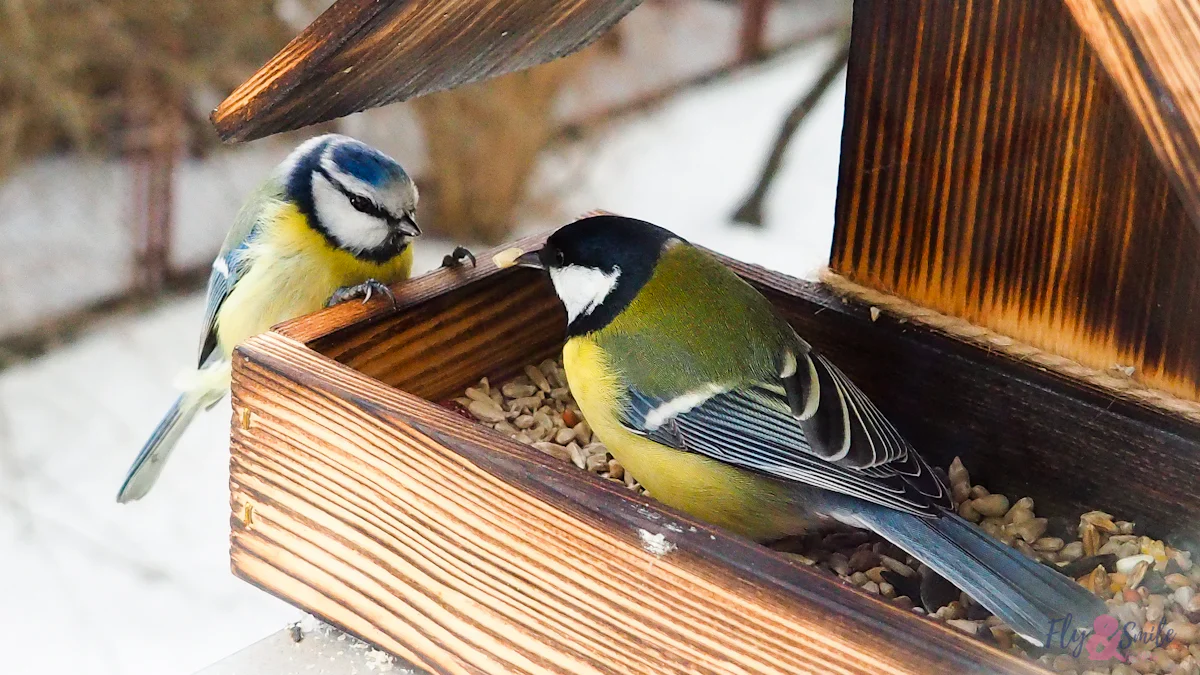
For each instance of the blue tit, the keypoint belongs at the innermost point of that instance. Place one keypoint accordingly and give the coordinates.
(333, 221)
(714, 403)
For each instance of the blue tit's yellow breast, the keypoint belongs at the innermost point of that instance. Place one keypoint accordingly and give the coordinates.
(732, 498)
(293, 271)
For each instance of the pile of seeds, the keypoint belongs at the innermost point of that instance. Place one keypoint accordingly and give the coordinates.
(1143, 581)
(537, 409)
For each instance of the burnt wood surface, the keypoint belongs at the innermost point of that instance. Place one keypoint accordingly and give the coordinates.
(993, 171)
(1149, 50)
(362, 54)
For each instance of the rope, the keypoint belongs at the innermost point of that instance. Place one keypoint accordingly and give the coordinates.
(1118, 381)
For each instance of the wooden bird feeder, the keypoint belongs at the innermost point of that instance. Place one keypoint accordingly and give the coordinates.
(1018, 194)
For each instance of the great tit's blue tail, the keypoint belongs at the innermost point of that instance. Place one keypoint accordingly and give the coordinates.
(1036, 601)
(203, 389)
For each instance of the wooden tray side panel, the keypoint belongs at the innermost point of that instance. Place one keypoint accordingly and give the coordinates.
(470, 559)
(437, 348)
(992, 171)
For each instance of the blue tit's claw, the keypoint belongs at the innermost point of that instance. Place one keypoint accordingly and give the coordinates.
(365, 290)
(458, 257)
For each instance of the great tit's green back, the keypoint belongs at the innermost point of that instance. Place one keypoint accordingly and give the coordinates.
(696, 322)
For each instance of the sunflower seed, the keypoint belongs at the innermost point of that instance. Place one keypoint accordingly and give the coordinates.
(554, 450)
(486, 412)
(968, 627)
(582, 431)
(538, 378)
(1048, 544)
(991, 505)
(1128, 564)
(615, 470)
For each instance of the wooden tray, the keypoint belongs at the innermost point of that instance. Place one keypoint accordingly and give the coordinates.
(441, 541)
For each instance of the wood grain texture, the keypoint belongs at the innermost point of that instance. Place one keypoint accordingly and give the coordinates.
(992, 171)
(361, 54)
(465, 552)
(1150, 49)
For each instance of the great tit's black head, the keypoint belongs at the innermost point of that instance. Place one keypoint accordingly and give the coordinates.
(599, 264)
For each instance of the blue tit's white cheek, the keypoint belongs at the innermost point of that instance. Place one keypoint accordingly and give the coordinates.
(583, 289)
(352, 228)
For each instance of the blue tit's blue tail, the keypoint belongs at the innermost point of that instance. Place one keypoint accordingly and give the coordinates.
(1032, 598)
(207, 386)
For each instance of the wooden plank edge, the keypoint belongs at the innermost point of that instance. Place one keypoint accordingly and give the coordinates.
(327, 322)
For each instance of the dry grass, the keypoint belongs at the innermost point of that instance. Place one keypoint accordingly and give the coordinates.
(483, 141)
(71, 69)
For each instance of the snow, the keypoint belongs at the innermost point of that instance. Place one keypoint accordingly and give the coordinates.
(688, 166)
(91, 586)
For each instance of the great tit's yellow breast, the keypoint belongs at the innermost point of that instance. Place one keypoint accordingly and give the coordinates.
(717, 493)
(293, 271)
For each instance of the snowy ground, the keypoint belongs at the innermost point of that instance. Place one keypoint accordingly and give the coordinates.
(90, 586)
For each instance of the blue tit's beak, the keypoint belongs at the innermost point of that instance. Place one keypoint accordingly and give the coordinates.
(531, 259)
(408, 225)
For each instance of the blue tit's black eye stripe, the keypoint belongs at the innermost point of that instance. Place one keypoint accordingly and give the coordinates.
(364, 205)
(359, 202)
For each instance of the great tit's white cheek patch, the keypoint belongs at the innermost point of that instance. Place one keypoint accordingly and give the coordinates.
(583, 289)
(352, 228)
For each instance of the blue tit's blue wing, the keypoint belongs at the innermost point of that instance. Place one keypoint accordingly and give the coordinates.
(811, 425)
(226, 271)
(235, 259)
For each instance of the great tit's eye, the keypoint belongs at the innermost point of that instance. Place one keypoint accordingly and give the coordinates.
(559, 258)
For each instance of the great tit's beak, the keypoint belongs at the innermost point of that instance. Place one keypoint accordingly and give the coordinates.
(530, 259)
(408, 225)
(515, 257)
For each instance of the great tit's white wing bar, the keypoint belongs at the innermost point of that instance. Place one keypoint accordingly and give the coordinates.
(755, 427)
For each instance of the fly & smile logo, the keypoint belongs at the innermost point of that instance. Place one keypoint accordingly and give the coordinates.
(1107, 640)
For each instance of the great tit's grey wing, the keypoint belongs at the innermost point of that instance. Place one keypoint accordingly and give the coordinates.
(233, 260)
(811, 425)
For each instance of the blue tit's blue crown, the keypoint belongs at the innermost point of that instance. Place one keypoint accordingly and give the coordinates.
(367, 164)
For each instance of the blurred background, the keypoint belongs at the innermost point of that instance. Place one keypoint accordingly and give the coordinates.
(115, 194)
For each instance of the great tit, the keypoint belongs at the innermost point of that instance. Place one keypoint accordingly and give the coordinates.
(335, 220)
(715, 404)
